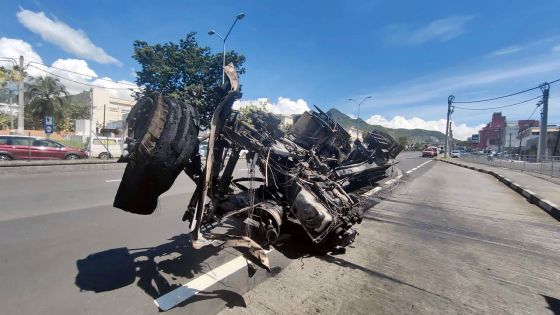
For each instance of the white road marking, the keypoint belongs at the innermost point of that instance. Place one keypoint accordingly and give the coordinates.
(417, 167)
(112, 180)
(181, 294)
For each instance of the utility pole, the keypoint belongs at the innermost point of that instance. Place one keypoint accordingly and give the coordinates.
(20, 129)
(509, 150)
(90, 120)
(11, 93)
(449, 112)
(542, 149)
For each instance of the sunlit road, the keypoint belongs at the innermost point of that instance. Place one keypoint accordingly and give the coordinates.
(65, 250)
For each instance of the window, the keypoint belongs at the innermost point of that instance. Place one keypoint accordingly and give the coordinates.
(104, 142)
(3, 140)
(22, 141)
(52, 144)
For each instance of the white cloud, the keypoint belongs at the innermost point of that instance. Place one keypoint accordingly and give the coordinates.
(13, 48)
(284, 105)
(438, 30)
(461, 131)
(79, 77)
(118, 89)
(69, 39)
(74, 65)
(506, 51)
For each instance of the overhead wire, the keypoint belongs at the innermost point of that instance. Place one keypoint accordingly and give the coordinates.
(82, 83)
(504, 96)
(497, 107)
(82, 74)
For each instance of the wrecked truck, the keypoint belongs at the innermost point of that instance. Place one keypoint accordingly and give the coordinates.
(309, 176)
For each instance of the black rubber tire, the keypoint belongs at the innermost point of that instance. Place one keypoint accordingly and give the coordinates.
(104, 156)
(72, 157)
(5, 157)
(165, 132)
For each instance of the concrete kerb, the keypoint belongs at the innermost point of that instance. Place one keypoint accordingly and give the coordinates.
(24, 168)
(551, 208)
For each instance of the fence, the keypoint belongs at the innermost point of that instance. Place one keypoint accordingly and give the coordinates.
(530, 163)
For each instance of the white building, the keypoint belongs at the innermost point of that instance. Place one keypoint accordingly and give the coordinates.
(113, 109)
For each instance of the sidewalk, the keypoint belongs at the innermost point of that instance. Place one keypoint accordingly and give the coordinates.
(542, 190)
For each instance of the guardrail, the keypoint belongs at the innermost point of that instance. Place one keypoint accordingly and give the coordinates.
(530, 163)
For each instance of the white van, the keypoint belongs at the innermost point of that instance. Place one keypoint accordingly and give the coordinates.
(105, 147)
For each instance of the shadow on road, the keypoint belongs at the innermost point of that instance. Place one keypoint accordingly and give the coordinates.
(553, 304)
(159, 270)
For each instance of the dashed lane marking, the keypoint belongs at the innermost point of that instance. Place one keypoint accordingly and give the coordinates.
(187, 290)
(417, 167)
(112, 180)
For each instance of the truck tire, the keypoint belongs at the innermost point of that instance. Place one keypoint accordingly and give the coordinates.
(163, 137)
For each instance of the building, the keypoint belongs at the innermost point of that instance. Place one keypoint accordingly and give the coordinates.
(109, 110)
(529, 140)
(492, 135)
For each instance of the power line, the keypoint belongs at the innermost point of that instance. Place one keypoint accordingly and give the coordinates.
(504, 96)
(78, 73)
(534, 110)
(497, 107)
(496, 98)
(86, 84)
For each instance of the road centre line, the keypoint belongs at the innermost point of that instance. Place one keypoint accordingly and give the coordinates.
(112, 180)
(417, 167)
(187, 290)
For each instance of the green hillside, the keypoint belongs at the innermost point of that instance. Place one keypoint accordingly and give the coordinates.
(413, 135)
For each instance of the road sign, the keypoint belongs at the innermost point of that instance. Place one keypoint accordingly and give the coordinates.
(49, 124)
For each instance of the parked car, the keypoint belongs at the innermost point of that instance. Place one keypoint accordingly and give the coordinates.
(455, 154)
(36, 148)
(430, 152)
(105, 147)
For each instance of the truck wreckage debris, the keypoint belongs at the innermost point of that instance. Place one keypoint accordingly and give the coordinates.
(310, 176)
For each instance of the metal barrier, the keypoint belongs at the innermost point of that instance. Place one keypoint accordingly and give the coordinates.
(530, 163)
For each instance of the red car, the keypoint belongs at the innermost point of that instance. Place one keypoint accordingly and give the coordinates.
(430, 152)
(35, 148)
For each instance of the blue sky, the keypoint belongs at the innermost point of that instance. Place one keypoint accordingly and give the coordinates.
(408, 56)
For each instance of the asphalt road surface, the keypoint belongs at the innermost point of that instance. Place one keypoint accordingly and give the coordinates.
(438, 242)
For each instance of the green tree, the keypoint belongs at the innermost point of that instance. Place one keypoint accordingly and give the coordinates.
(4, 121)
(185, 71)
(47, 98)
(403, 140)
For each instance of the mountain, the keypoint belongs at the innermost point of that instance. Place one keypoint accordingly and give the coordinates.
(80, 99)
(413, 135)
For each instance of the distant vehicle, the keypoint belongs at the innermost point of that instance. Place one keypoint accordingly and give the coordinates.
(105, 147)
(455, 154)
(430, 152)
(36, 148)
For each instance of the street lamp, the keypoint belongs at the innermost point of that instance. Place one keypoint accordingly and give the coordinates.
(360, 103)
(213, 32)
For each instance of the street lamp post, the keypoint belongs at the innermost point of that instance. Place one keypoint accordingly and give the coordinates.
(212, 32)
(360, 103)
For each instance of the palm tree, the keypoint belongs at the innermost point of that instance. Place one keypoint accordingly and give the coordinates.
(48, 98)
